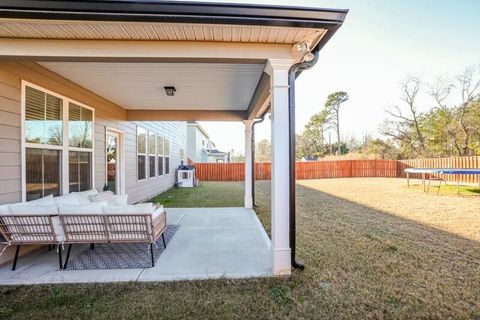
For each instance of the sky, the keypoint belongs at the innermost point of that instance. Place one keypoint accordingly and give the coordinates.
(379, 44)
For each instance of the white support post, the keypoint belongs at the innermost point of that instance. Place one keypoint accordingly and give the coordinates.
(248, 164)
(281, 252)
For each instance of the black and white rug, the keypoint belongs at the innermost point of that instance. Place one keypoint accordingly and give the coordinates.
(120, 255)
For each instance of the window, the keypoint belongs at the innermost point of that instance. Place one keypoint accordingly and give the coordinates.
(166, 151)
(160, 155)
(141, 153)
(48, 156)
(80, 164)
(152, 154)
(80, 124)
(43, 118)
(43, 173)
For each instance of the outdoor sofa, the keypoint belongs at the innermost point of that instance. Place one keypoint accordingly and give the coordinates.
(86, 217)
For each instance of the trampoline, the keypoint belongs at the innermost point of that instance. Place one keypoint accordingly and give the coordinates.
(451, 171)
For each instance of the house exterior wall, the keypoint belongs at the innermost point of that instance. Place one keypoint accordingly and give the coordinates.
(194, 144)
(107, 114)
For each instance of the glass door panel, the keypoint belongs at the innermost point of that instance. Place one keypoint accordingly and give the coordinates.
(113, 162)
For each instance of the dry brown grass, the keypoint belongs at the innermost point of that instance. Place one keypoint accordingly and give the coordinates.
(372, 249)
(449, 212)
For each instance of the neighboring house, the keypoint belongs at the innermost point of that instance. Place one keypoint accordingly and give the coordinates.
(216, 156)
(199, 146)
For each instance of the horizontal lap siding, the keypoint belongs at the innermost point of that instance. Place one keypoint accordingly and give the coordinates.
(107, 114)
(10, 152)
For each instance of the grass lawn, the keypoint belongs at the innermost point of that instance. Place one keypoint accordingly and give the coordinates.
(372, 249)
(449, 189)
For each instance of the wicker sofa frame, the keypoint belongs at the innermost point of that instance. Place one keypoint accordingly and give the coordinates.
(113, 228)
(18, 230)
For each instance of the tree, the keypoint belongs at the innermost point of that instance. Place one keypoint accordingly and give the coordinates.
(446, 129)
(236, 156)
(332, 111)
(263, 151)
(311, 142)
(404, 127)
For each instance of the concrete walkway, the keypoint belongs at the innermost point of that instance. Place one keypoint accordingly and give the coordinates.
(210, 243)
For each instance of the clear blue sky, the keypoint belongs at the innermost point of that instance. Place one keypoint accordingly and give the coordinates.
(380, 43)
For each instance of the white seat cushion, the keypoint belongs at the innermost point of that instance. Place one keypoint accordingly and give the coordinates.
(71, 198)
(157, 212)
(102, 196)
(83, 196)
(45, 201)
(119, 200)
(136, 208)
(31, 209)
(84, 209)
(5, 210)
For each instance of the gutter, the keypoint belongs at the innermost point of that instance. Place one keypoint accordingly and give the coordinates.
(172, 11)
(257, 121)
(294, 72)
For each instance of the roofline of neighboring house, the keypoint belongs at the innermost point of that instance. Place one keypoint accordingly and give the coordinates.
(174, 11)
(217, 153)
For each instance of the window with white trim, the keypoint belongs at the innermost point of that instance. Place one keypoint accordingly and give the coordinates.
(152, 154)
(160, 161)
(58, 142)
(166, 151)
(141, 153)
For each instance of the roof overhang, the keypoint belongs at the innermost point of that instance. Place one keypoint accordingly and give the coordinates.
(77, 38)
(173, 11)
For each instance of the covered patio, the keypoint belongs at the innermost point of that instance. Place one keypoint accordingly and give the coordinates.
(224, 62)
(209, 243)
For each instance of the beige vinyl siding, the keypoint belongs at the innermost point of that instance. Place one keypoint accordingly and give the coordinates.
(107, 114)
(10, 114)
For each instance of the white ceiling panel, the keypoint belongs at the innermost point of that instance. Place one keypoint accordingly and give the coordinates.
(200, 86)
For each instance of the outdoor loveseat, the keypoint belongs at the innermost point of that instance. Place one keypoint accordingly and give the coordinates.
(86, 217)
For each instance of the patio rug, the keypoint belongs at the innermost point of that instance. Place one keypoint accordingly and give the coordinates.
(120, 255)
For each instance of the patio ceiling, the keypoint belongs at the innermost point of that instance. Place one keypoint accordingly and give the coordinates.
(140, 86)
(127, 51)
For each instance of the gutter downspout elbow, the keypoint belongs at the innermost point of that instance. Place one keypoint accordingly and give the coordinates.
(294, 71)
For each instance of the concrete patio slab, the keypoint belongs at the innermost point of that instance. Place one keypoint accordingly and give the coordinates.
(210, 243)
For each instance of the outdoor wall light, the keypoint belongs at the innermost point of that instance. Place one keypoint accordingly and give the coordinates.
(301, 47)
(170, 91)
(301, 52)
(308, 56)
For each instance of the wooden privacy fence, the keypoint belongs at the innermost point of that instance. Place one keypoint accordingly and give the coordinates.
(340, 169)
(305, 170)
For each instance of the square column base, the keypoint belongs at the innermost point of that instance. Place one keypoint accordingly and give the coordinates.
(281, 264)
(248, 201)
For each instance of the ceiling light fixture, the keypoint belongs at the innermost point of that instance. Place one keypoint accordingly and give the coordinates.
(170, 91)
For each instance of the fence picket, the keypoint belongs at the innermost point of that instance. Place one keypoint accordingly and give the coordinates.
(341, 169)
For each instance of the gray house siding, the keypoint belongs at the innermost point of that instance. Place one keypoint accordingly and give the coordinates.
(107, 114)
(196, 141)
